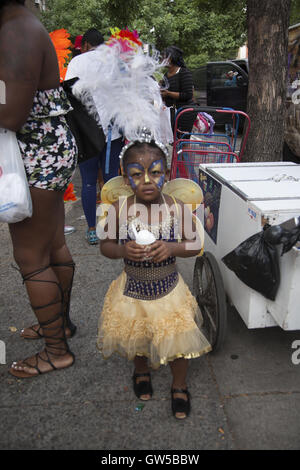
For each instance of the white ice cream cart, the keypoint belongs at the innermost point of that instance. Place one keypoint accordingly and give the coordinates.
(246, 196)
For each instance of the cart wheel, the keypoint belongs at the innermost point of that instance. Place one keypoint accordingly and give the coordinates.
(209, 291)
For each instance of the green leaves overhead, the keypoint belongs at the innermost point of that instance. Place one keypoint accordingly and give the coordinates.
(204, 29)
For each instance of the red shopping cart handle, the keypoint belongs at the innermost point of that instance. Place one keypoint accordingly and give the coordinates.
(184, 167)
(210, 109)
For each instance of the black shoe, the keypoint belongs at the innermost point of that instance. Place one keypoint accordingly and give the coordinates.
(144, 387)
(179, 405)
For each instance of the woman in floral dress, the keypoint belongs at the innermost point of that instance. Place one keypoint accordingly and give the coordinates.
(35, 109)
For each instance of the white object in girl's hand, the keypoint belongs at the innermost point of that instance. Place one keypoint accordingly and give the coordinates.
(144, 237)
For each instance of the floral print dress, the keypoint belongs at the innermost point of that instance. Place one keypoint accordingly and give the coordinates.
(48, 147)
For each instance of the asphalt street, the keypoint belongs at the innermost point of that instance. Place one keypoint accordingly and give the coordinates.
(245, 397)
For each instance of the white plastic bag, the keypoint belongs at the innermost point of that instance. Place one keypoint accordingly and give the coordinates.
(165, 125)
(15, 198)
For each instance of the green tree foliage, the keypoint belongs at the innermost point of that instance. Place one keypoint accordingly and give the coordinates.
(120, 13)
(295, 12)
(75, 16)
(204, 29)
(222, 31)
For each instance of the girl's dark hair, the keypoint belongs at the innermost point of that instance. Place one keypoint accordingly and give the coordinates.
(176, 55)
(142, 147)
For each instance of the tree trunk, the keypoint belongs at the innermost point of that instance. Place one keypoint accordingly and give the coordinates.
(268, 23)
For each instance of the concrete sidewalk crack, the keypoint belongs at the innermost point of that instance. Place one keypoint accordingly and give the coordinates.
(222, 401)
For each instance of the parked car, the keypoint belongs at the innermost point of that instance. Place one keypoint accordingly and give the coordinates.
(222, 84)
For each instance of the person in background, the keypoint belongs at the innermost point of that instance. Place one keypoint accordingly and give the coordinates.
(89, 169)
(231, 78)
(75, 51)
(180, 88)
(77, 46)
(230, 82)
(35, 108)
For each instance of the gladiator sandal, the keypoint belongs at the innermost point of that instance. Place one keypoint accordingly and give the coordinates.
(54, 336)
(36, 329)
(67, 298)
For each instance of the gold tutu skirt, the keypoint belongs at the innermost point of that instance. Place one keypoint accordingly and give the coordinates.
(162, 330)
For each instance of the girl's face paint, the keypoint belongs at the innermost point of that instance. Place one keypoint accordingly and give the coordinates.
(137, 174)
(157, 173)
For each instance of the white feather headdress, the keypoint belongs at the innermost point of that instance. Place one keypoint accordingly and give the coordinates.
(123, 87)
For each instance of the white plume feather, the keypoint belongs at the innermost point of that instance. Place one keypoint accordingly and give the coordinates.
(124, 89)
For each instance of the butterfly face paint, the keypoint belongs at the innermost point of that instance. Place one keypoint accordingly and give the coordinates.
(135, 173)
(138, 174)
(157, 173)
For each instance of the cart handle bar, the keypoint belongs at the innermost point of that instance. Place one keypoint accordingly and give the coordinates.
(208, 142)
(187, 163)
(227, 111)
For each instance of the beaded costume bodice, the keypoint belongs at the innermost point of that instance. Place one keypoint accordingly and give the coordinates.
(147, 280)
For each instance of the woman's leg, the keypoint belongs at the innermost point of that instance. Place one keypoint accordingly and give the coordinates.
(33, 240)
(89, 176)
(179, 368)
(63, 266)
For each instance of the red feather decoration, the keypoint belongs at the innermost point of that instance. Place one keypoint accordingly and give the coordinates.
(69, 193)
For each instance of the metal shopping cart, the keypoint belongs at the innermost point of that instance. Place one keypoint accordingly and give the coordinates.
(191, 149)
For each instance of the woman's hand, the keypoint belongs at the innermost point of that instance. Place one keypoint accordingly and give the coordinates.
(159, 251)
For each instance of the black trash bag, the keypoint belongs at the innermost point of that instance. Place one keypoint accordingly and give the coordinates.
(256, 262)
(89, 136)
(288, 238)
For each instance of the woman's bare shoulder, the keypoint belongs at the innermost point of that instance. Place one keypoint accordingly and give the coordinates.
(20, 20)
(22, 38)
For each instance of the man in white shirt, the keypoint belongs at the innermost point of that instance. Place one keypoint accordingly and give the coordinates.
(89, 169)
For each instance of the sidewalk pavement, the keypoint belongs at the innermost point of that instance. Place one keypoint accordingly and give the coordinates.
(247, 396)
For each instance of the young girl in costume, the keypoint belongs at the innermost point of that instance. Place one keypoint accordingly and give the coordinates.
(149, 314)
